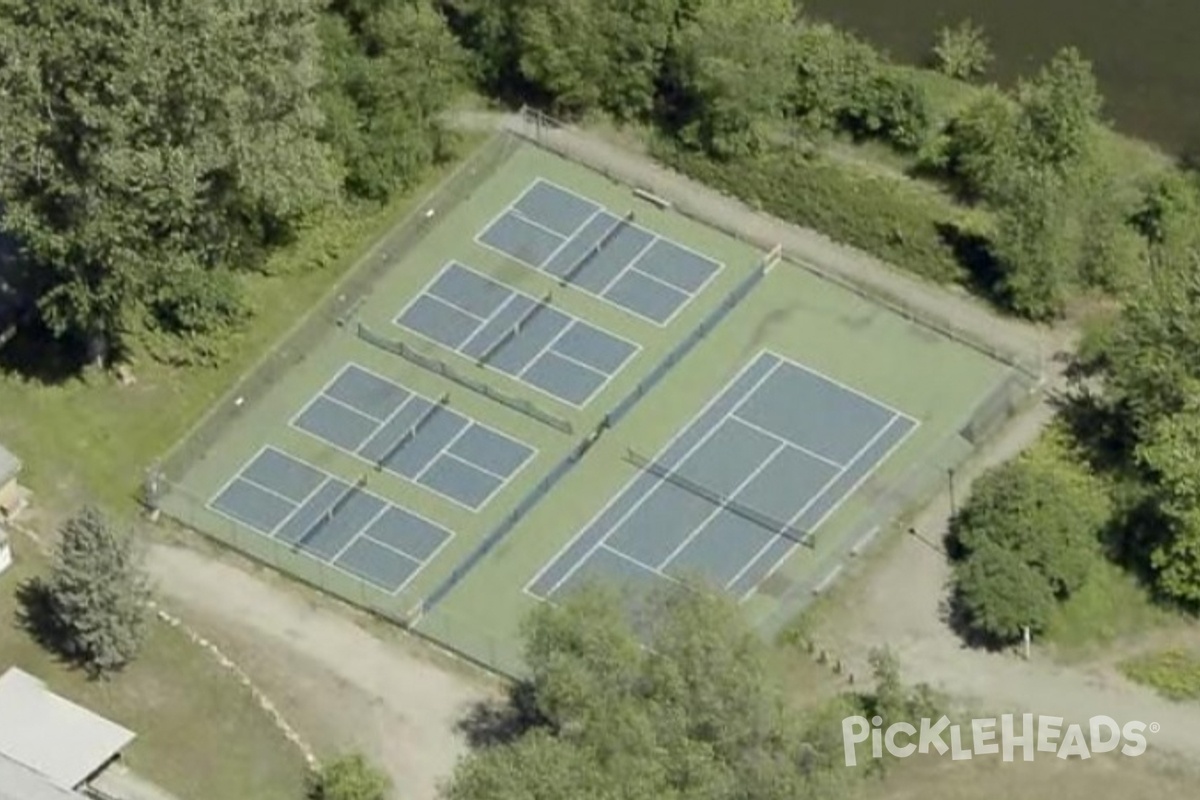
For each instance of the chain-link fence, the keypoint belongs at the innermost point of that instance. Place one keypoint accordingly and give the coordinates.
(560, 138)
(439, 367)
(339, 305)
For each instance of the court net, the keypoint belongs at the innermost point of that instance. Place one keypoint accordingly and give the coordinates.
(594, 251)
(759, 518)
(515, 329)
(335, 508)
(412, 431)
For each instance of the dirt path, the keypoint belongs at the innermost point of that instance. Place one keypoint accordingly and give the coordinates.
(341, 684)
(900, 604)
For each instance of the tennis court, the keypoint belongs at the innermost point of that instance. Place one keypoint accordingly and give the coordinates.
(748, 480)
(398, 430)
(579, 242)
(338, 523)
(507, 330)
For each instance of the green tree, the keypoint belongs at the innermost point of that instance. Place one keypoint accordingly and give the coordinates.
(97, 594)
(1170, 454)
(1039, 243)
(698, 713)
(391, 70)
(1060, 110)
(349, 778)
(1003, 593)
(984, 150)
(962, 51)
(145, 143)
(833, 71)
(732, 69)
(1030, 525)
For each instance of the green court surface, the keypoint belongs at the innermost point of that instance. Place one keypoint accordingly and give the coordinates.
(450, 537)
(794, 314)
(260, 422)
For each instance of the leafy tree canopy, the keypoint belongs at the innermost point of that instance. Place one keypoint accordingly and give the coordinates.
(1033, 525)
(349, 778)
(697, 714)
(146, 143)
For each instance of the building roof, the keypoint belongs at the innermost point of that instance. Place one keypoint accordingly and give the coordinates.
(64, 742)
(10, 465)
(19, 782)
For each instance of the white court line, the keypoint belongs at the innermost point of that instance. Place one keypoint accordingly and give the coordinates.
(457, 435)
(516, 212)
(448, 302)
(471, 464)
(349, 365)
(413, 395)
(788, 442)
(542, 266)
(635, 350)
(588, 367)
(561, 188)
(812, 501)
(424, 291)
(638, 475)
(354, 537)
(478, 238)
(467, 342)
(639, 563)
(791, 523)
(665, 284)
(862, 395)
(717, 511)
(708, 434)
(604, 289)
(570, 323)
(833, 509)
(572, 320)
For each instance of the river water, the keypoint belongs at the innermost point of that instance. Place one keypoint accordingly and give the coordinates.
(1146, 52)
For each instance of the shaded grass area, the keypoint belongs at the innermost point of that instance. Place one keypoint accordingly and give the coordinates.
(88, 438)
(1111, 605)
(199, 732)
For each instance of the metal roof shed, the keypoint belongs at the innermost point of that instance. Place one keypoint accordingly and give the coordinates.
(51, 735)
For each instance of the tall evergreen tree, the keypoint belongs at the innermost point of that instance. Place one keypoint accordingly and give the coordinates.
(96, 594)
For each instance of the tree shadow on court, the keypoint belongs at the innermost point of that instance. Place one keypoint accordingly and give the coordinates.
(496, 722)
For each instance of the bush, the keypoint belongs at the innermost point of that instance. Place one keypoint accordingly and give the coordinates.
(962, 51)
(349, 778)
(1174, 673)
(880, 215)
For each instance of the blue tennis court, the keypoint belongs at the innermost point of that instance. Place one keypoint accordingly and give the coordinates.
(578, 241)
(521, 336)
(340, 524)
(420, 439)
(749, 479)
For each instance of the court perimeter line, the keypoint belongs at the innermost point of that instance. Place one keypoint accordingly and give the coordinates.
(789, 442)
(638, 474)
(849, 493)
(722, 507)
(812, 501)
(708, 434)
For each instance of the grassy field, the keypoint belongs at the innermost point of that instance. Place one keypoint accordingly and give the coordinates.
(89, 439)
(199, 732)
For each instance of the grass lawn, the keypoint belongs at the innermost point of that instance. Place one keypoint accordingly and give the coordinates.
(88, 439)
(200, 734)
(1112, 605)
